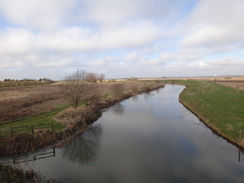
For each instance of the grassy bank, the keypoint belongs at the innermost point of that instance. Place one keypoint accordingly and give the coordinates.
(42, 119)
(219, 107)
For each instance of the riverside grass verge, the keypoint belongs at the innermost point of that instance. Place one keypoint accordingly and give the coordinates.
(221, 108)
(42, 119)
(69, 122)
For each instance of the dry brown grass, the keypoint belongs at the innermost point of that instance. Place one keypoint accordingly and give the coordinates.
(17, 103)
(20, 102)
(236, 85)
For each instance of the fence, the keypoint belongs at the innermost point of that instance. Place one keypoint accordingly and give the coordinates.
(29, 129)
(47, 153)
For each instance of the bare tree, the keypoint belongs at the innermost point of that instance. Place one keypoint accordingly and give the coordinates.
(101, 77)
(76, 87)
(91, 77)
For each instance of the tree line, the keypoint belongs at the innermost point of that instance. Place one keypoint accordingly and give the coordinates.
(24, 82)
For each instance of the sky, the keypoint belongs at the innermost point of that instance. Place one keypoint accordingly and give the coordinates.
(121, 38)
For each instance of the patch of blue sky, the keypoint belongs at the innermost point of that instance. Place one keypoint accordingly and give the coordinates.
(4, 24)
(188, 6)
(168, 44)
(184, 9)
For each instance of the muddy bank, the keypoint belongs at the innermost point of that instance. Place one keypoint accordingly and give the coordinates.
(76, 121)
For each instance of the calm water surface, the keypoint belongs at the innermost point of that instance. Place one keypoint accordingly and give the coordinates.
(148, 138)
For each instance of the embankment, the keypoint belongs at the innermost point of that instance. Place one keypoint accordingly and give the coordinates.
(76, 121)
(219, 108)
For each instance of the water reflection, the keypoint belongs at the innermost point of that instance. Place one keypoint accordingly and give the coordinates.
(118, 109)
(134, 98)
(42, 154)
(147, 95)
(84, 148)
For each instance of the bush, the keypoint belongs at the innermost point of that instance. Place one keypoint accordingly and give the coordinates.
(112, 80)
(132, 79)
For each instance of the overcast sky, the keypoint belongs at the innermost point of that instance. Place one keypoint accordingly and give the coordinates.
(121, 38)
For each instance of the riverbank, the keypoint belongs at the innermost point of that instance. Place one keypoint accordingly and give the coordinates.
(219, 107)
(10, 174)
(75, 121)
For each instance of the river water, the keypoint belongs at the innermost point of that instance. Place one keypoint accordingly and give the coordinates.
(148, 138)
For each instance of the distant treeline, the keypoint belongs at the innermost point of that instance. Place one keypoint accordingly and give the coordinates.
(24, 82)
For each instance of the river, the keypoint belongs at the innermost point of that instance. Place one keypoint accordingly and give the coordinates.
(147, 138)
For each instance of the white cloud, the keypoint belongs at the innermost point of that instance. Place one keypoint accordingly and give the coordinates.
(220, 66)
(16, 41)
(215, 23)
(157, 37)
(75, 39)
(40, 14)
(110, 12)
(163, 58)
(12, 64)
(136, 35)
(62, 62)
(190, 54)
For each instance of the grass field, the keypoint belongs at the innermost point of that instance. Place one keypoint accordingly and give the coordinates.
(218, 106)
(42, 119)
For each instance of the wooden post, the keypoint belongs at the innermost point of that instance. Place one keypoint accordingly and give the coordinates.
(239, 155)
(240, 136)
(32, 130)
(52, 132)
(11, 131)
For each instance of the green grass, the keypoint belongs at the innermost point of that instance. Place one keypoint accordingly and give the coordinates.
(220, 106)
(43, 119)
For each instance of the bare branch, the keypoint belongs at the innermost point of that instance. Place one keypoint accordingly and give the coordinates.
(77, 88)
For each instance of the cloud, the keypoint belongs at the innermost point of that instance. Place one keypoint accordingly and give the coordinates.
(73, 39)
(109, 12)
(16, 41)
(214, 24)
(122, 38)
(220, 66)
(39, 14)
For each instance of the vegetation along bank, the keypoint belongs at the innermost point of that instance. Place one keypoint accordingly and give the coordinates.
(10, 174)
(221, 108)
(42, 115)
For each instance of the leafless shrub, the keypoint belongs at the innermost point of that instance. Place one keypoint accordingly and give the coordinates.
(77, 88)
(101, 77)
(91, 77)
